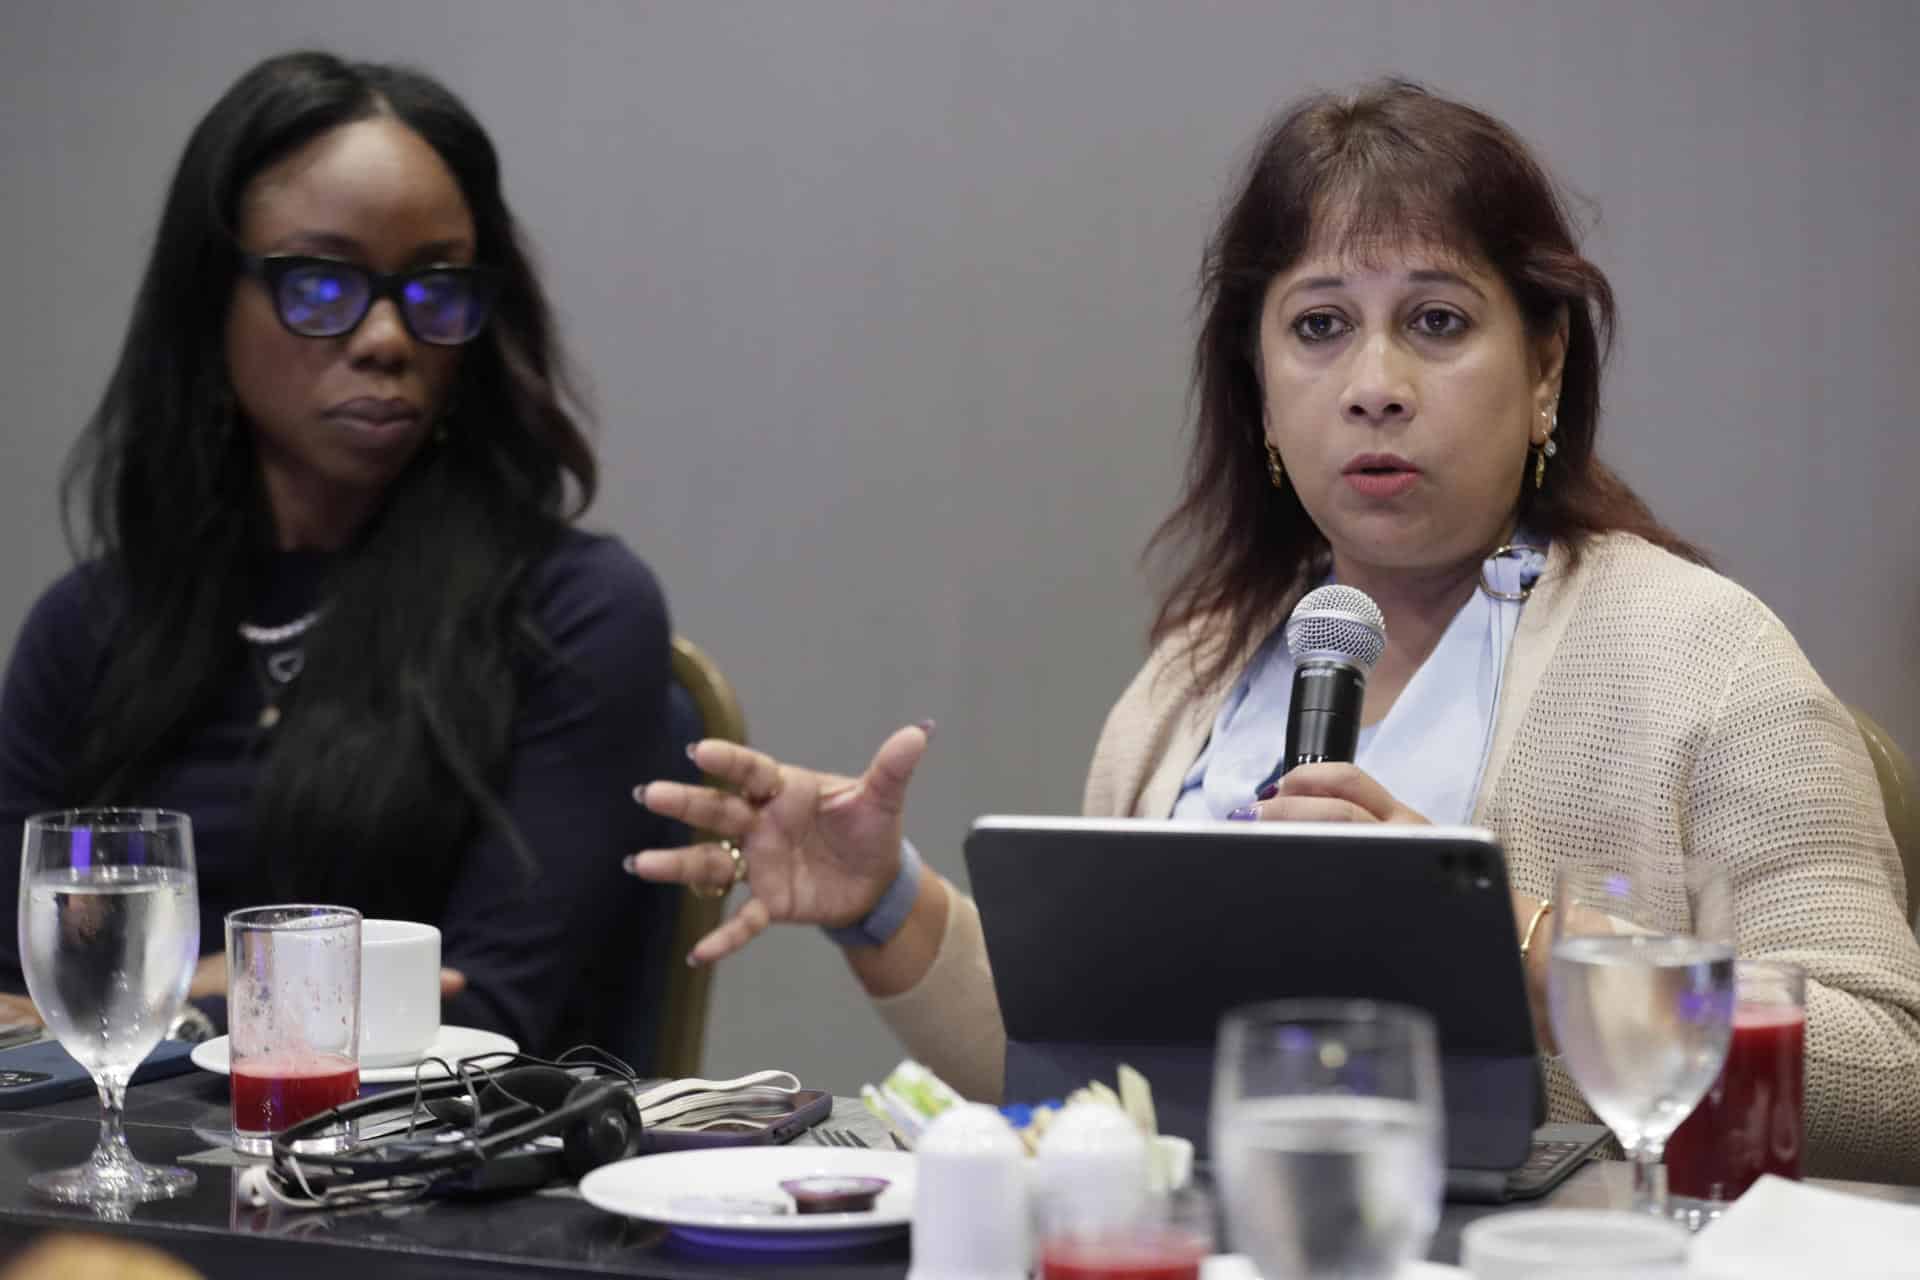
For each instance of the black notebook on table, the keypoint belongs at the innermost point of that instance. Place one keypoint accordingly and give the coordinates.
(1125, 940)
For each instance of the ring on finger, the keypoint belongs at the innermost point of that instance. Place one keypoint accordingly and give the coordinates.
(739, 873)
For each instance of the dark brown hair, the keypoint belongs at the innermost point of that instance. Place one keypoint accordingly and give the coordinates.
(1390, 166)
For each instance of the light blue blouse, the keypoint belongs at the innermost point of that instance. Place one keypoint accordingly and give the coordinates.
(1431, 747)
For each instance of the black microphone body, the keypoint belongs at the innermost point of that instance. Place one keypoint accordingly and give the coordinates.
(1323, 716)
(1334, 635)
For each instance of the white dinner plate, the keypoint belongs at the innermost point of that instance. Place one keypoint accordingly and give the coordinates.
(452, 1044)
(689, 1192)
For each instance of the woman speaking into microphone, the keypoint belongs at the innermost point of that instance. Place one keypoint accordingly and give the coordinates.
(1397, 386)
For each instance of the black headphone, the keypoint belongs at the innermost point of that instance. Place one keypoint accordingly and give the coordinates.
(503, 1121)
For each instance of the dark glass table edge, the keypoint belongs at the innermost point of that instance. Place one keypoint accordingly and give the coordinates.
(542, 1234)
(168, 1120)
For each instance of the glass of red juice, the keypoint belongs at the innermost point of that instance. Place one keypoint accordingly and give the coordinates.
(1169, 1241)
(1753, 1119)
(293, 1018)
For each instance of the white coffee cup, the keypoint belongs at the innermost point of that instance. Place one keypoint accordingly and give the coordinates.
(399, 991)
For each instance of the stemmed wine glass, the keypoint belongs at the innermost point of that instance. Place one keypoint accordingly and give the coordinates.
(1640, 995)
(109, 934)
(1327, 1133)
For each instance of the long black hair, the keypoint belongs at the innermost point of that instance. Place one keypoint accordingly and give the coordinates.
(395, 742)
(1390, 165)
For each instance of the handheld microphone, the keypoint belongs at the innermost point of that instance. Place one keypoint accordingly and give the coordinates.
(1335, 635)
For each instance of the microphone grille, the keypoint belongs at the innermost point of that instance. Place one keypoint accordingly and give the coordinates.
(1337, 621)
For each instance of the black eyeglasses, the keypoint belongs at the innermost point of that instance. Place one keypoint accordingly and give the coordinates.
(325, 298)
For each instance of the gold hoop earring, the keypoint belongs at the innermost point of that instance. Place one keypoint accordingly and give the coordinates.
(1275, 472)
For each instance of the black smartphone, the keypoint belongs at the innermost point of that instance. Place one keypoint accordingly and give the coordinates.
(1557, 1151)
(33, 1075)
(759, 1129)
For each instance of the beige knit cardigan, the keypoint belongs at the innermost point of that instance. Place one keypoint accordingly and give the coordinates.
(1651, 711)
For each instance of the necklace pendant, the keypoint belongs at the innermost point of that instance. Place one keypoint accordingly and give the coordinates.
(269, 716)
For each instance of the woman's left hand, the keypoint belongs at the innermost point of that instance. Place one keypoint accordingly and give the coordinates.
(1330, 793)
(209, 977)
(17, 1009)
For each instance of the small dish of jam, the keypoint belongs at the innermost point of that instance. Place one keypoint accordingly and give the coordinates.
(834, 1193)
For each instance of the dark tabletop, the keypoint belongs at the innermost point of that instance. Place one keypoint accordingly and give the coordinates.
(555, 1233)
(179, 1121)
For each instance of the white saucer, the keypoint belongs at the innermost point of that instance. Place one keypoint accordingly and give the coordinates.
(668, 1188)
(453, 1044)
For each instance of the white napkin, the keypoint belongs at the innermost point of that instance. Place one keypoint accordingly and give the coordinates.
(1781, 1228)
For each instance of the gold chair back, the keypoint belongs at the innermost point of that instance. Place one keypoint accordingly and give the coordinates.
(683, 1020)
(1900, 792)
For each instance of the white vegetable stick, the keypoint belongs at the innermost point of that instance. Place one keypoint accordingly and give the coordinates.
(1136, 1099)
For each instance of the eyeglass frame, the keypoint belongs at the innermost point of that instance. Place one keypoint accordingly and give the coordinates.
(271, 269)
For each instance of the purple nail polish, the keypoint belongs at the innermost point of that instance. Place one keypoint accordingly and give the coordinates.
(1245, 813)
(926, 727)
(1267, 792)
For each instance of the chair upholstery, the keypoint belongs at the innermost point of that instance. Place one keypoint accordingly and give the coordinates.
(682, 1034)
(1900, 792)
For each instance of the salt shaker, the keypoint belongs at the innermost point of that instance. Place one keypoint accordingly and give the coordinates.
(970, 1210)
(1091, 1170)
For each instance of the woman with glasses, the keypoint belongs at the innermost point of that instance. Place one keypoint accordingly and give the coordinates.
(335, 609)
(1397, 388)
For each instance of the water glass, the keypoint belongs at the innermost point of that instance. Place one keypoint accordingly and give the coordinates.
(1328, 1136)
(1753, 1118)
(293, 1009)
(109, 935)
(1640, 996)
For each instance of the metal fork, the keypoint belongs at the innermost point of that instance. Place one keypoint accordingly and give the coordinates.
(839, 1138)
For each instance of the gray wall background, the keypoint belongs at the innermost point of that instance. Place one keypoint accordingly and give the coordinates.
(886, 310)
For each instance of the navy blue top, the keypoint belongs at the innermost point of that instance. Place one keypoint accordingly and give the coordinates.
(575, 955)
